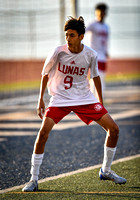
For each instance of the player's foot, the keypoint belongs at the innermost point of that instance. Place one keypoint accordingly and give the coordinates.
(112, 176)
(32, 186)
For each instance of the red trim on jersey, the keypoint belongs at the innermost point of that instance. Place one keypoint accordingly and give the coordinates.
(87, 113)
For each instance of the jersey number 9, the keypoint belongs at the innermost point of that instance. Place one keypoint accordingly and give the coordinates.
(68, 80)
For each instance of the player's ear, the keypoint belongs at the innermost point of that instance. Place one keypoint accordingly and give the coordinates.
(81, 36)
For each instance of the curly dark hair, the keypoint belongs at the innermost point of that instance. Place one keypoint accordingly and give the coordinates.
(75, 24)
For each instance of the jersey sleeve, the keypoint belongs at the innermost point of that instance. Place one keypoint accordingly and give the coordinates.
(94, 67)
(88, 35)
(50, 62)
(90, 27)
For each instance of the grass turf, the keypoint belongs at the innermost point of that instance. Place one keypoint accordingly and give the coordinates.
(122, 77)
(16, 86)
(86, 185)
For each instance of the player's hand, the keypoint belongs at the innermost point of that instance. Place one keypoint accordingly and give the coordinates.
(40, 108)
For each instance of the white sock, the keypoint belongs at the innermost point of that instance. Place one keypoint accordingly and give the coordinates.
(36, 161)
(109, 154)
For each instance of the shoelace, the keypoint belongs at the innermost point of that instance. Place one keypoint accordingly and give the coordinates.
(113, 173)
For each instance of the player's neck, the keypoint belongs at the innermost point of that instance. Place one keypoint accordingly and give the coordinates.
(76, 49)
(100, 21)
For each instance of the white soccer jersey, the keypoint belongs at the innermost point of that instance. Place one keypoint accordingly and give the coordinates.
(98, 39)
(68, 83)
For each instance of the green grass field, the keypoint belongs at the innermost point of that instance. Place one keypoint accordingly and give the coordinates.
(122, 77)
(25, 85)
(86, 185)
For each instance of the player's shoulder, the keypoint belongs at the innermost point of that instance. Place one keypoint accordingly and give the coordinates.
(61, 48)
(90, 26)
(90, 51)
(95, 24)
(57, 50)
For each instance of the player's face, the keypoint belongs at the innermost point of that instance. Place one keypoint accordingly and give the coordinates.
(73, 39)
(100, 15)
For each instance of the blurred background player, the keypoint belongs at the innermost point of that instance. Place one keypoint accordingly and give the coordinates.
(96, 37)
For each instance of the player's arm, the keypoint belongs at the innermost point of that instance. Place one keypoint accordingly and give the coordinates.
(98, 86)
(41, 104)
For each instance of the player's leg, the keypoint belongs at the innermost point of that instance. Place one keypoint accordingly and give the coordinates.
(111, 140)
(52, 116)
(43, 134)
(111, 128)
(39, 146)
(37, 156)
(109, 149)
(98, 113)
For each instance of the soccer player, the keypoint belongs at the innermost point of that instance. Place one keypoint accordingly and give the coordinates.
(65, 74)
(96, 37)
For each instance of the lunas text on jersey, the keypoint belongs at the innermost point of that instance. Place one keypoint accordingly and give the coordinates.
(68, 69)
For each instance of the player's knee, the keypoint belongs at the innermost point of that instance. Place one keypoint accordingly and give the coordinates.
(114, 131)
(43, 136)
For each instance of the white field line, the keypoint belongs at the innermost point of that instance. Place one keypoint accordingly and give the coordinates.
(126, 114)
(72, 173)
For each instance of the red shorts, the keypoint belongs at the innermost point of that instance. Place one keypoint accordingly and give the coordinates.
(102, 66)
(87, 113)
